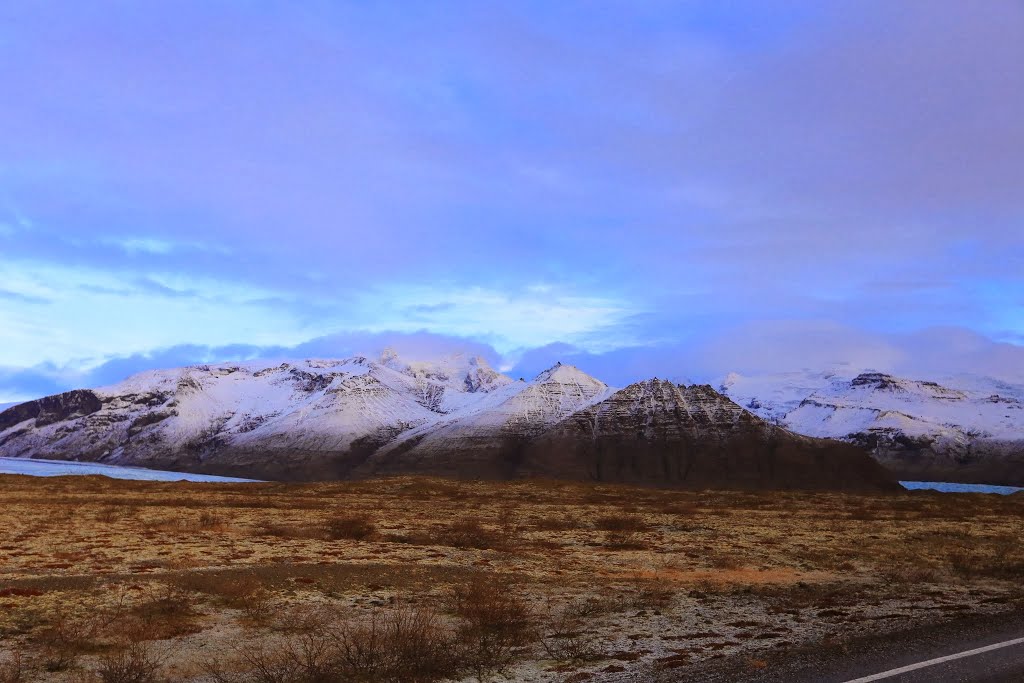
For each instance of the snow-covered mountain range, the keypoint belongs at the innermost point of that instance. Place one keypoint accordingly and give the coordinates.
(961, 428)
(357, 417)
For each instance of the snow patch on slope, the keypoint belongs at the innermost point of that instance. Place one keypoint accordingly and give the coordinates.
(840, 403)
(773, 396)
(876, 401)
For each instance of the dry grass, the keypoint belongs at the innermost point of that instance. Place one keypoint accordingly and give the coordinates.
(421, 579)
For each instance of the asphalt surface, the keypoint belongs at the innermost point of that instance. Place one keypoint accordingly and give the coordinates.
(867, 657)
(1004, 664)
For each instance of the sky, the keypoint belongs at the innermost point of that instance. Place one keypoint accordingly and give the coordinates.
(661, 188)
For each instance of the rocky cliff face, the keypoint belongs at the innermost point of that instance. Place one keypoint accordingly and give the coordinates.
(656, 432)
(966, 429)
(51, 409)
(456, 417)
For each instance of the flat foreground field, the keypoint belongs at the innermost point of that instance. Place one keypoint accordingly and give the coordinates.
(413, 579)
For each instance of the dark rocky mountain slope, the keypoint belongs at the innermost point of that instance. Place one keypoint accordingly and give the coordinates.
(656, 432)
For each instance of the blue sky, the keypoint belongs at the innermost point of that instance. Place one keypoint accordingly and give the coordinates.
(672, 188)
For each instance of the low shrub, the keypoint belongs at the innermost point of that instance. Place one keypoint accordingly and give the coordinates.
(725, 561)
(135, 663)
(621, 522)
(238, 591)
(678, 508)
(488, 626)
(13, 669)
(624, 540)
(973, 564)
(407, 644)
(469, 533)
(211, 520)
(495, 623)
(166, 613)
(556, 522)
(65, 639)
(566, 638)
(904, 574)
(109, 514)
(355, 527)
(596, 606)
(279, 530)
(656, 593)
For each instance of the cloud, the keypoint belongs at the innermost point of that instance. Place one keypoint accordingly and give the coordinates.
(157, 246)
(23, 298)
(431, 308)
(506, 319)
(149, 245)
(20, 384)
(60, 314)
(645, 184)
(950, 351)
(23, 384)
(777, 346)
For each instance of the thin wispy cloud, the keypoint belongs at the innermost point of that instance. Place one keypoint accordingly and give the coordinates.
(505, 319)
(155, 245)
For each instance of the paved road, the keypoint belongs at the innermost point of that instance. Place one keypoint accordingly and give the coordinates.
(1003, 661)
(897, 658)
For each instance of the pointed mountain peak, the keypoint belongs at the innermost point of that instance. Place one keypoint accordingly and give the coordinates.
(651, 386)
(560, 373)
(459, 372)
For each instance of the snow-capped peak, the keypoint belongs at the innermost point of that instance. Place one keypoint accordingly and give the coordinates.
(560, 373)
(880, 382)
(773, 396)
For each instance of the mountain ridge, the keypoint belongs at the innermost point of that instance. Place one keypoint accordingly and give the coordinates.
(457, 416)
(962, 428)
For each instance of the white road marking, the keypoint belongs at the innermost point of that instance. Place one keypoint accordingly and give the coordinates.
(937, 660)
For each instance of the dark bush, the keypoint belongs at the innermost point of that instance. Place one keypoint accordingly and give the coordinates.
(620, 522)
(355, 527)
(496, 622)
(132, 664)
(470, 533)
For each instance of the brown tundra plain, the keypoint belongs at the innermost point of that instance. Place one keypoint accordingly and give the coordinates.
(414, 579)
